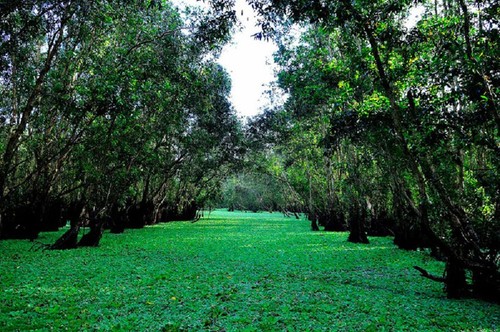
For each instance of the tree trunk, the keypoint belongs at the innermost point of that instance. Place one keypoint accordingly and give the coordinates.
(455, 283)
(14, 137)
(486, 285)
(314, 222)
(92, 238)
(334, 222)
(68, 240)
(357, 217)
(135, 216)
(423, 170)
(118, 219)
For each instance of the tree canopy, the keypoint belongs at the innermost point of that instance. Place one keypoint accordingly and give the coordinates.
(108, 107)
(391, 124)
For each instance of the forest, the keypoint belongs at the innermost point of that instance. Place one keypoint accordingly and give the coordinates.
(115, 115)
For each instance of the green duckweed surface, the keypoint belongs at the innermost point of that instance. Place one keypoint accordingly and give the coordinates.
(231, 271)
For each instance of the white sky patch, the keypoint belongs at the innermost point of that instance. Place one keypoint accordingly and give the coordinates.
(248, 61)
(250, 64)
(416, 14)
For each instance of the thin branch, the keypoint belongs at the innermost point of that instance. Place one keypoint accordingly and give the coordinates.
(150, 41)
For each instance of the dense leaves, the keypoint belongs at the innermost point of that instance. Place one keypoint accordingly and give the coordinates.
(111, 106)
(392, 124)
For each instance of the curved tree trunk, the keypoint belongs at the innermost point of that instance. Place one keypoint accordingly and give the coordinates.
(68, 240)
(92, 238)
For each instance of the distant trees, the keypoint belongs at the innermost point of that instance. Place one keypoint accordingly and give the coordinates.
(113, 115)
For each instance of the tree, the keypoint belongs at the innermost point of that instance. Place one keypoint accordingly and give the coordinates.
(421, 88)
(129, 115)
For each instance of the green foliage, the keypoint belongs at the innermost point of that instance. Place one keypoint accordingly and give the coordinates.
(232, 271)
(128, 104)
(405, 119)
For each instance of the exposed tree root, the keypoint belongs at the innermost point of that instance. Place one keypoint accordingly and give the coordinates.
(427, 275)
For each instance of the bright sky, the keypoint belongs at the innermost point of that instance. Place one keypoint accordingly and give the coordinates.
(248, 62)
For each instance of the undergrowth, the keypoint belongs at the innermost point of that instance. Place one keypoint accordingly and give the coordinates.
(229, 272)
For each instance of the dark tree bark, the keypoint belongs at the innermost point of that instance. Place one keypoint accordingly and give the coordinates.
(357, 218)
(314, 222)
(93, 237)
(148, 209)
(428, 275)
(408, 233)
(486, 285)
(136, 216)
(334, 221)
(169, 213)
(118, 219)
(455, 282)
(52, 217)
(381, 224)
(21, 222)
(68, 240)
(407, 236)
